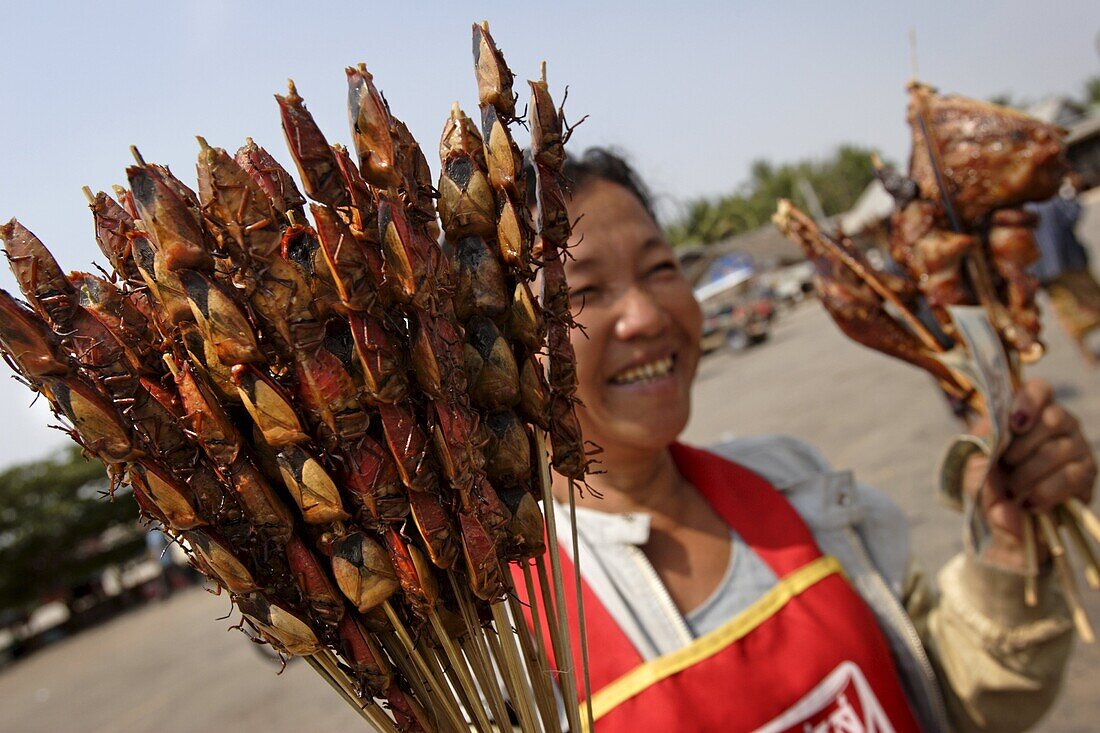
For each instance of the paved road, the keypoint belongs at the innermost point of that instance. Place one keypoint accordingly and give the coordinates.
(170, 666)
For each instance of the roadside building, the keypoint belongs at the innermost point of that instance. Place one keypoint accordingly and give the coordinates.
(1082, 133)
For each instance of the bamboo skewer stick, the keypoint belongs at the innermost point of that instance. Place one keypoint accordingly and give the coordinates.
(934, 160)
(551, 618)
(1065, 576)
(496, 653)
(580, 608)
(1084, 517)
(484, 675)
(436, 688)
(437, 682)
(405, 639)
(416, 681)
(1031, 561)
(540, 640)
(516, 693)
(534, 653)
(460, 670)
(323, 673)
(424, 689)
(556, 640)
(474, 645)
(326, 664)
(978, 268)
(1084, 549)
(563, 653)
(559, 642)
(443, 666)
(521, 692)
(470, 706)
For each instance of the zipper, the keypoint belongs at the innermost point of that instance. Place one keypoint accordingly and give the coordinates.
(905, 625)
(664, 598)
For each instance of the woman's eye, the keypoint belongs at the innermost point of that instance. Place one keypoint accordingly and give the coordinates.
(578, 296)
(662, 268)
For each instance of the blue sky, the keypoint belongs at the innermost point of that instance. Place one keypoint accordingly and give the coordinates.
(693, 92)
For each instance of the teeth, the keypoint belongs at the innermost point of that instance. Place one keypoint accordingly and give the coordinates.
(653, 370)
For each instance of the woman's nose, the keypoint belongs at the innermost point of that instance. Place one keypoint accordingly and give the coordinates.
(640, 315)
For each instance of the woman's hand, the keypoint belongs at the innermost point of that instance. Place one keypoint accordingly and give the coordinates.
(1048, 461)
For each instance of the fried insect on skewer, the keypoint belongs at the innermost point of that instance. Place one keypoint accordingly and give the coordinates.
(423, 274)
(933, 258)
(239, 207)
(304, 405)
(547, 138)
(114, 230)
(1012, 248)
(958, 234)
(984, 156)
(223, 321)
(311, 152)
(171, 481)
(858, 308)
(168, 210)
(368, 363)
(321, 358)
(468, 210)
(37, 355)
(970, 160)
(272, 178)
(317, 351)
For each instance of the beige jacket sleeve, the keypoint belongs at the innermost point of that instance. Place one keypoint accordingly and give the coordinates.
(1000, 663)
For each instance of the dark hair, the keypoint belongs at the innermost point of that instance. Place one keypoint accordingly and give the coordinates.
(596, 164)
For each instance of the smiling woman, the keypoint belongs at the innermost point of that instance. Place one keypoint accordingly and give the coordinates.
(642, 323)
(751, 587)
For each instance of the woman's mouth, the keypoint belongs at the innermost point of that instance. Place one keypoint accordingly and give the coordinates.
(647, 372)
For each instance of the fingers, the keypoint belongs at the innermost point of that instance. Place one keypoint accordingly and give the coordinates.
(1060, 455)
(1074, 479)
(1048, 461)
(1032, 398)
(1052, 422)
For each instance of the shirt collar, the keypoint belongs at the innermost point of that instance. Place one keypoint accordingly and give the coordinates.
(605, 528)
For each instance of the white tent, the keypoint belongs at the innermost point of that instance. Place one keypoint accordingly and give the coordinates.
(722, 284)
(872, 206)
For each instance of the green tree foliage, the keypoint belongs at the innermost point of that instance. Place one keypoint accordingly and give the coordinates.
(1005, 99)
(837, 181)
(1091, 92)
(57, 527)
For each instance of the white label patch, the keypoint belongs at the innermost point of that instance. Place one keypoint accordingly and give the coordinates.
(842, 703)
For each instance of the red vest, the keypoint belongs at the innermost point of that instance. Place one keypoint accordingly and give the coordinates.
(807, 657)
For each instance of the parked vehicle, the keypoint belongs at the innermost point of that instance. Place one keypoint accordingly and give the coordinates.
(738, 325)
(738, 304)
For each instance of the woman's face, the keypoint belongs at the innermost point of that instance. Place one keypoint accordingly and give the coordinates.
(637, 356)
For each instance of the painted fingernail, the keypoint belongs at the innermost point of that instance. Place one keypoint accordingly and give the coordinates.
(1019, 420)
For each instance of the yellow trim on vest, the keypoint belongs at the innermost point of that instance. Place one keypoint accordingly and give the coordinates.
(650, 673)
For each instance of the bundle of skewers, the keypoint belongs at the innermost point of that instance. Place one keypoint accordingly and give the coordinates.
(341, 416)
(961, 238)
